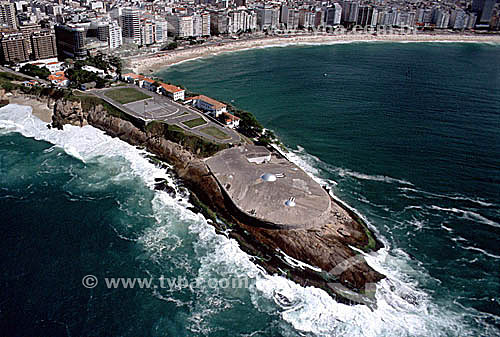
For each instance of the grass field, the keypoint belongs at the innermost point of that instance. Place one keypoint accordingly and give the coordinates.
(214, 132)
(194, 122)
(126, 95)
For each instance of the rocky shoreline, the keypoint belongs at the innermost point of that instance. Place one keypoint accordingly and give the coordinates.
(329, 262)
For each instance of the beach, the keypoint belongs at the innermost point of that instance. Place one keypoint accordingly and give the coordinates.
(152, 63)
(39, 108)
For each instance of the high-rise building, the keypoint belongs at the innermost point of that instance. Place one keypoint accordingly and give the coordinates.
(197, 25)
(29, 45)
(131, 25)
(457, 19)
(147, 33)
(14, 48)
(365, 14)
(219, 23)
(114, 35)
(181, 25)
(267, 16)
(102, 31)
(306, 18)
(29, 29)
(349, 11)
(205, 24)
(70, 41)
(442, 19)
(333, 15)
(8, 14)
(161, 31)
(43, 44)
(483, 10)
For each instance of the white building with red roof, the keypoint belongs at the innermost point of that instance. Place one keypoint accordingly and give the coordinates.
(209, 104)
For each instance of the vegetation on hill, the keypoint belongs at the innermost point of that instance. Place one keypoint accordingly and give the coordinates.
(80, 76)
(32, 70)
(102, 62)
(193, 143)
(7, 81)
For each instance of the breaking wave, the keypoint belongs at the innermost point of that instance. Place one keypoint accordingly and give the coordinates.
(402, 307)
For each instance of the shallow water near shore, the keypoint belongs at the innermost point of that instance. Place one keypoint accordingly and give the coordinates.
(77, 202)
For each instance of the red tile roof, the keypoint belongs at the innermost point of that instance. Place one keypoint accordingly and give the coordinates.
(216, 104)
(230, 117)
(170, 88)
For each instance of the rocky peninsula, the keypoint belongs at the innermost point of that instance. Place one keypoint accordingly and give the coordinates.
(325, 254)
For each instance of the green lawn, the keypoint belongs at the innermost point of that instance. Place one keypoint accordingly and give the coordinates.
(126, 95)
(194, 122)
(214, 132)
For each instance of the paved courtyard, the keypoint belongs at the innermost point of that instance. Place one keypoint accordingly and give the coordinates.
(159, 107)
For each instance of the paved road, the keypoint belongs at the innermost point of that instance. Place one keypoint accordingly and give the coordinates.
(161, 108)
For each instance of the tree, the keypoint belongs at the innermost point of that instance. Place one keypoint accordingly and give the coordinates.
(116, 62)
(172, 46)
(32, 70)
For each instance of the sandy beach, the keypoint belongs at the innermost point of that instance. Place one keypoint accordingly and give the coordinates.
(39, 108)
(150, 64)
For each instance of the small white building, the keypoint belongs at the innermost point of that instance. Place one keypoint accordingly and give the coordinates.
(258, 155)
(172, 91)
(99, 72)
(205, 103)
(231, 120)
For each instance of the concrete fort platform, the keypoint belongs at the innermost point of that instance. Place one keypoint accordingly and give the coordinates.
(269, 188)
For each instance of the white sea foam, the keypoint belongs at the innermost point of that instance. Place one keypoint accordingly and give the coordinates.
(451, 197)
(467, 215)
(307, 161)
(481, 251)
(402, 308)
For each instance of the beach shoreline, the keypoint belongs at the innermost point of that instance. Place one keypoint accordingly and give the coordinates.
(152, 63)
(39, 108)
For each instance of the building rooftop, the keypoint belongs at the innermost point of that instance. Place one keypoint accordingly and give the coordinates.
(216, 104)
(170, 88)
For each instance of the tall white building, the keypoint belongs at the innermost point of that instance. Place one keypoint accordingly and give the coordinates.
(333, 15)
(205, 24)
(147, 33)
(181, 26)
(267, 16)
(197, 25)
(131, 25)
(115, 39)
(161, 31)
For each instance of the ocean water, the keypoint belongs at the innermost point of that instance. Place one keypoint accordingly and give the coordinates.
(407, 134)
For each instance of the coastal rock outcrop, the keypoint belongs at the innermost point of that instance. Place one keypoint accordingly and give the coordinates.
(329, 262)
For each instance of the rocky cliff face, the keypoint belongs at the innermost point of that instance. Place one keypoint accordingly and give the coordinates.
(344, 273)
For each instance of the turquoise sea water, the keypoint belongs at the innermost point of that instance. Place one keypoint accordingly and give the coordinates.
(408, 134)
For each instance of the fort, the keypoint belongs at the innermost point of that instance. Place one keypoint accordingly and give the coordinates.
(270, 188)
